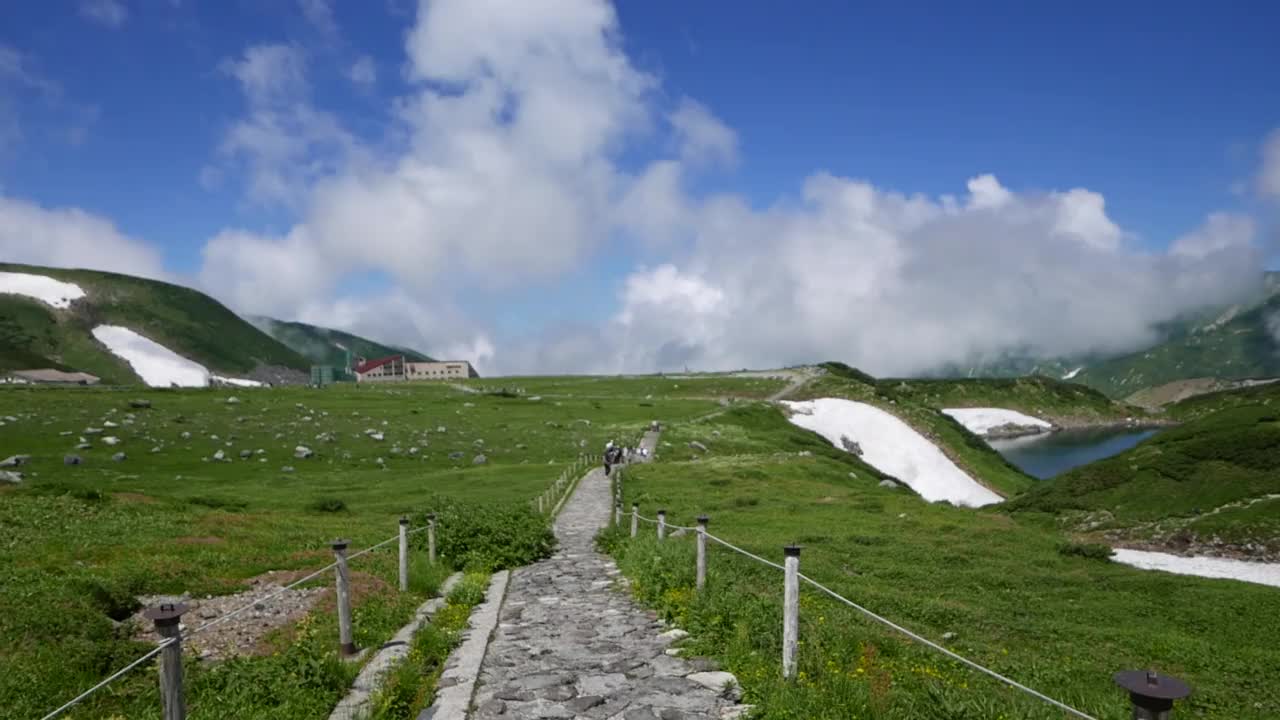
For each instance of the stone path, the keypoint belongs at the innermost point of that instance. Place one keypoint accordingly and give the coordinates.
(571, 645)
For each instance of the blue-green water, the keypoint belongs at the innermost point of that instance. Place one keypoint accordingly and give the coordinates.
(1044, 456)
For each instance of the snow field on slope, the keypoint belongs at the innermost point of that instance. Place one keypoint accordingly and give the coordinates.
(893, 447)
(1210, 567)
(980, 421)
(157, 365)
(41, 287)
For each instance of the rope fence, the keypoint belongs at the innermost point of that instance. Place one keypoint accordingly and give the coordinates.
(1151, 695)
(167, 619)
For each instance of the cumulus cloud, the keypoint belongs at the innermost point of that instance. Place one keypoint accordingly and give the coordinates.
(703, 138)
(109, 13)
(509, 175)
(70, 237)
(1269, 173)
(320, 14)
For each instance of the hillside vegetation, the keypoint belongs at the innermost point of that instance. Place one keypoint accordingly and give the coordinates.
(1209, 481)
(325, 346)
(187, 322)
(81, 542)
(1005, 591)
(1065, 404)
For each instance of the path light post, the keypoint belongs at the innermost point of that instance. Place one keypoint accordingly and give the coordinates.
(662, 524)
(790, 611)
(431, 538)
(346, 642)
(635, 519)
(702, 551)
(168, 618)
(404, 554)
(1152, 695)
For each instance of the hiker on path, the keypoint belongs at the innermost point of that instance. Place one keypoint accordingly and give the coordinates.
(608, 457)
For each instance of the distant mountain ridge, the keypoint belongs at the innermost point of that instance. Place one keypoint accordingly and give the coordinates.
(34, 334)
(1227, 343)
(326, 346)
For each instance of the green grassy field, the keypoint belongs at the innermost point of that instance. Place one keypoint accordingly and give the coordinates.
(80, 542)
(1060, 623)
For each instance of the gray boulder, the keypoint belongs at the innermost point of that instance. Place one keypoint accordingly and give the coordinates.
(84, 446)
(220, 456)
(302, 452)
(287, 469)
(119, 457)
(71, 460)
(479, 460)
(233, 400)
(15, 461)
(695, 445)
(850, 446)
(246, 454)
(889, 484)
(455, 455)
(10, 477)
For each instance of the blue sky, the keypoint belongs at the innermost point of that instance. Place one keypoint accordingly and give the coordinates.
(120, 108)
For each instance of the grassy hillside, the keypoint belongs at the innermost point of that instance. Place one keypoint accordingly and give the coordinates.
(1236, 346)
(993, 587)
(1201, 405)
(1206, 482)
(325, 346)
(968, 451)
(1063, 403)
(188, 322)
(82, 541)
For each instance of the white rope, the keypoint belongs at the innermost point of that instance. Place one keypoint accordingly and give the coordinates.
(164, 644)
(908, 633)
(944, 651)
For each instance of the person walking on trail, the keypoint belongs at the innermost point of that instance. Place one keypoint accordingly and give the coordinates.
(608, 457)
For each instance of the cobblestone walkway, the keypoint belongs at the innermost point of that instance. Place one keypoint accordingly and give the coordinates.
(570, 645)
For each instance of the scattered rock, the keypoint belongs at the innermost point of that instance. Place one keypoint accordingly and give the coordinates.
(109, 424)
(15, 461)
(413, 451)
(233, 400)
(287, 469)
(673, 635)
(302, 452)
(219, 456)
(850, 446)
(71, 460)
(11, 477)
(92, 431)
(380, 462)
(185, 435)
(479, 460)
(119, 457)
(377, 436)
(948, 636)
(246, 454)
(442, 429)
(455, 455)
(695, 445)
(111, 440)
(889, 484)
(84, 446)
(724, 683)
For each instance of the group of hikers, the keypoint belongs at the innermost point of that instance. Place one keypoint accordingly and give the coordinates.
(617, 455)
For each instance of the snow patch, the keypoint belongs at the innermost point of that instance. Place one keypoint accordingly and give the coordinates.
(157, 365)
(238, 382)
(41, 287)
(980, 421)
(893, 447)
(1073, 373)
(1210, 567)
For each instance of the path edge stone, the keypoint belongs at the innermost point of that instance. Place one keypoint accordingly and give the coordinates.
(453, 701)
(392, 653)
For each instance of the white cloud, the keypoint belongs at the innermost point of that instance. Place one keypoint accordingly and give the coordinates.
(1269, 173)
(702, 136)
(1220, 232)
(70, 237)
(320, 14)
(363, 72)
(109, 13)
(507, 175)
(284, 143)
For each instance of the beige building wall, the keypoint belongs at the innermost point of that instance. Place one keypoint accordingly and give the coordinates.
(449, 370)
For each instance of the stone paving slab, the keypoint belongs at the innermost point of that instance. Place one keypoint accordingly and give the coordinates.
(571, 645)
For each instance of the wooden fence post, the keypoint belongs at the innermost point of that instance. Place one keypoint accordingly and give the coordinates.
(617, 514)
(167, 618)
(662, 524)
(790, 611)
(702, 551)
(635, 519)
(540, 510)
(431, 538)
(346, 643)
(404, 554)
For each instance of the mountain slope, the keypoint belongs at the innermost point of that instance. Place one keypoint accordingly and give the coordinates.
(1213, 481)
(325, 346)
(35, 334)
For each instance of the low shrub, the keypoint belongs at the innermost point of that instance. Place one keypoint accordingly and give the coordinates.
(217, 503)
(327, 505)
(486, 536)
(1092, 551)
